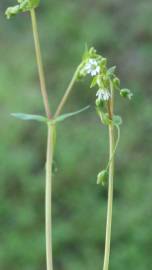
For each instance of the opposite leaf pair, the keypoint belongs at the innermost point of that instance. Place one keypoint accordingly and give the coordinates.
(40, 118)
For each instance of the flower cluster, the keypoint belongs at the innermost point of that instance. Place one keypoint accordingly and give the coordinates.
(92, 67)
(103, 78)
(106, 82)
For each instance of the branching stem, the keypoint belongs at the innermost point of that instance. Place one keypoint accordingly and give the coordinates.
(39, 64)
(49, 154)
(67, 93)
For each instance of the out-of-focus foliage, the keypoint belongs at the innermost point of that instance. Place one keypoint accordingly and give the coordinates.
(121, 31)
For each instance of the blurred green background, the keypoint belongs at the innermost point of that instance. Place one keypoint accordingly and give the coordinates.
(121, 31)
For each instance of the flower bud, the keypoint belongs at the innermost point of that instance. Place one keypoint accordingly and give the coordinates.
(116, 82)
(12, 11)
(23, 6)
(102, 177)
(98, 101)
(126, 93)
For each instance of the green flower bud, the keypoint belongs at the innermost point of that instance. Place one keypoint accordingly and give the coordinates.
(12, 11)
(126, 93)
(116, 82)
(98, 101)
(102, 177)
(23, 6)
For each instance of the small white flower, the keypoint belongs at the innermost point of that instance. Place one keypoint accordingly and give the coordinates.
(103, 94)
(92, 67)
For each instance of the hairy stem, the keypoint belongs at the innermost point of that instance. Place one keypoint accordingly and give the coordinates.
(48, 192)
(67, 93)
(39, 63)
(110, 187)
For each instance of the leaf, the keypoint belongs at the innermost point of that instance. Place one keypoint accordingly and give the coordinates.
(103, 62)
(94, 82)
(86, 52)
(112, 70)
(117, 120)
(105, 118)
(67, 115)
(29, 117)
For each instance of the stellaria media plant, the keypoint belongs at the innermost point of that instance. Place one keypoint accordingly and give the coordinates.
(107, 83)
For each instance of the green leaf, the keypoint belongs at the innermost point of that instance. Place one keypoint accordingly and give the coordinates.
(29, 117)
(117, 120)
(94, 82)
(111, 70)
(105, 118)
(103, 62)
(86, 52)
(67, 115)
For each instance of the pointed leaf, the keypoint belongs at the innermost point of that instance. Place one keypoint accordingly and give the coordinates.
(94, 82)
(86, 52)
(67, 115)
(28, 117)
(105, 118)
(112, 70)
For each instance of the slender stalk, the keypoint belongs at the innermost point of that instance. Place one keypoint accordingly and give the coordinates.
(39, 63)
(49, 154)
(67, 93)
(48, 192)
(110, 187)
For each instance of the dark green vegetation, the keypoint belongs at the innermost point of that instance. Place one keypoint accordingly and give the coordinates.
(121, 31)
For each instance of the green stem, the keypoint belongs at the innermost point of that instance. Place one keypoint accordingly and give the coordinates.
(48, 192)
(115, 147)
(110, 188)
(67, 93)
(49, 155)
(39, 63)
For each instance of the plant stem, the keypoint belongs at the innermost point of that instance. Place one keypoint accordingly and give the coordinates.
(39, 63)
(49, 155)
(67, 93)
(110, 187)
(48, 192)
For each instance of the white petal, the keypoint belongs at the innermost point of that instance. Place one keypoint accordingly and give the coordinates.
(98, 69)
(93, 72)
(93, 62)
